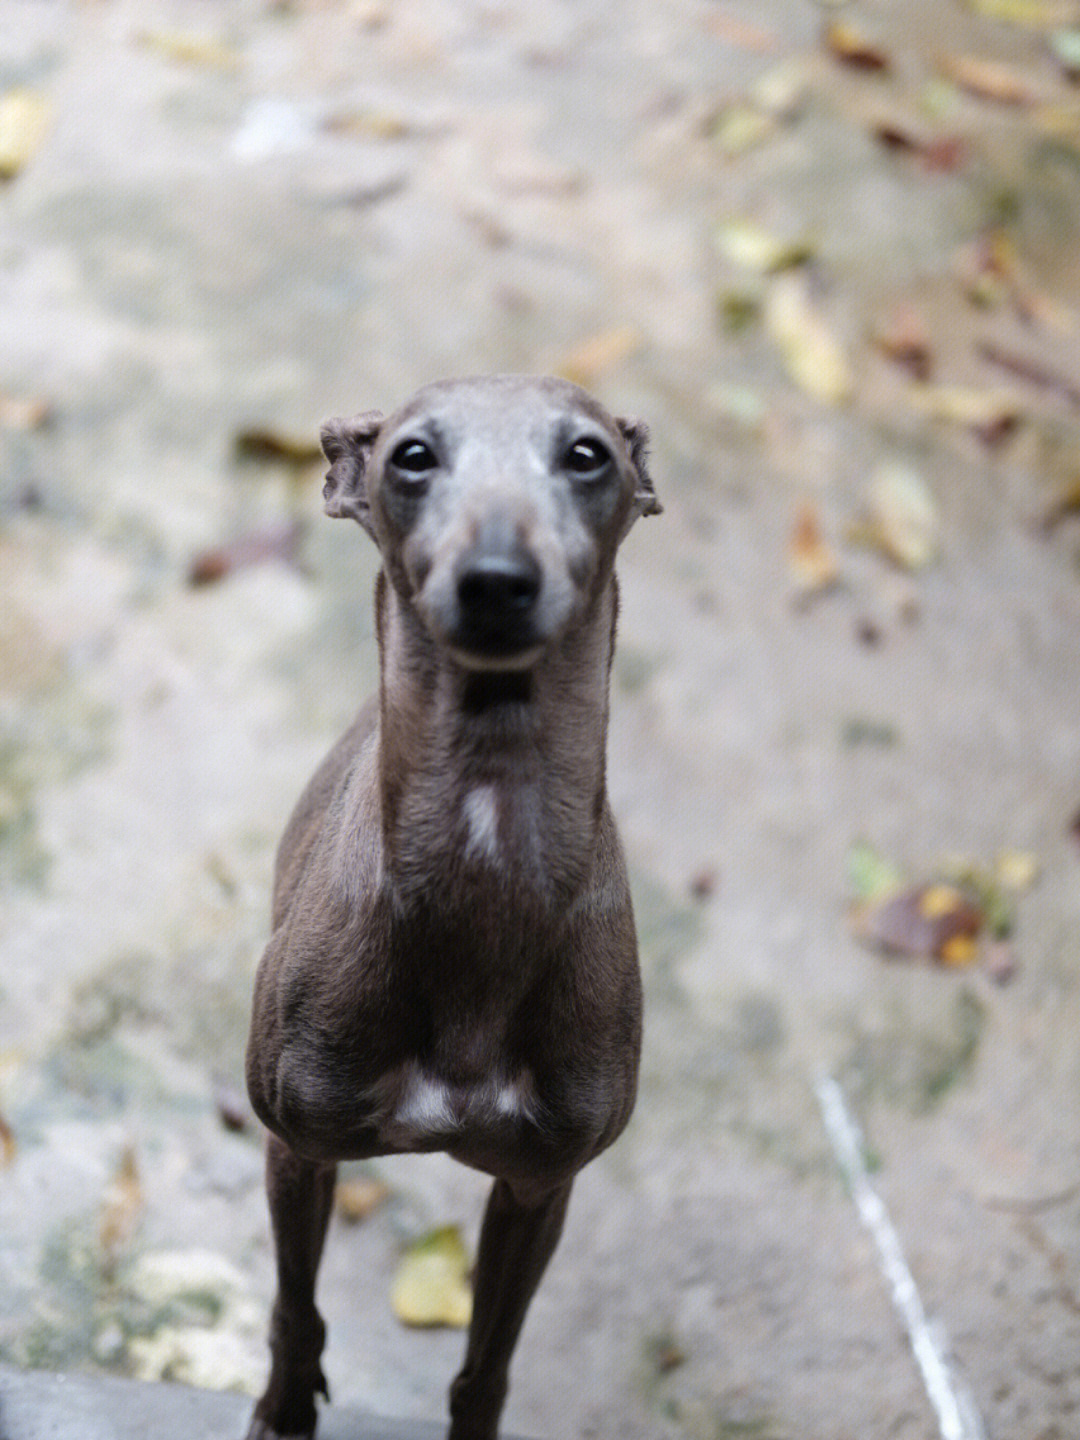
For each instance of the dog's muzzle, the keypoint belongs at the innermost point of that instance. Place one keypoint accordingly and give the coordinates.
(497, 594)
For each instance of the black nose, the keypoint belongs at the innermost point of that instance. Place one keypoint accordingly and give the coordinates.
(498, 585)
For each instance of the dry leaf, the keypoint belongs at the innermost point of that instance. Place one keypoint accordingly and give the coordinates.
(1016, 870)
(937, 921)
(588, 361)
(941, 153)
(231, 1105)
(989, 79)
(782, 90)
(267, 446)
(1033, 371)
(739, 127)
(1065, 48)
(814, 357)
(357, 1198)
(992, 415)
(1038, 13)
(8, 1144)
(903, 518)
(905, 340)
(848, 45)
(431, 1286)
(278, 542)
(24, 122)
(23, 412)
(811, 564)
(191, 49)
(121, 1208)
(755, 248)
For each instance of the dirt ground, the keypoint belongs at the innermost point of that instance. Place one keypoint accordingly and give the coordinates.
(830, 254)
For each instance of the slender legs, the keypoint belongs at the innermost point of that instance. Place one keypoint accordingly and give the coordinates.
(516, 1242)
(300, 1195)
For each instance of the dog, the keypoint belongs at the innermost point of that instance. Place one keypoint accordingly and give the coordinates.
(453, 964)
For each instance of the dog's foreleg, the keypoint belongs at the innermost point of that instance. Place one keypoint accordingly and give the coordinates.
(517, 1239)
(301, 1194)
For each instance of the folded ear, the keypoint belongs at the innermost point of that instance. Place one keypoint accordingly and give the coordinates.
(636, 435)
(347, 445)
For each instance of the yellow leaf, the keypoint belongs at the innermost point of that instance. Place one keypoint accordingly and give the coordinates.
(814, 357)
(757, 249)
(356, 1199)
(1016, 870)
(1026, 12)
(24, 120)
(432, 1286)
(191, 49)
(903, 516)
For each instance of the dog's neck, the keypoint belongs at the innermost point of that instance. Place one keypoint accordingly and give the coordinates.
(492, 778)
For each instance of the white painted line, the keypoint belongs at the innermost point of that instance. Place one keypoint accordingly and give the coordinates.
(958, 1418)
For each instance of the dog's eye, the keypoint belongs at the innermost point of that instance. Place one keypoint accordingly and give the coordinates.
(414, 457)
(587, 457)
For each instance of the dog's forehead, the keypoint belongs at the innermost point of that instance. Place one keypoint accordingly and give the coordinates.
(502, 408)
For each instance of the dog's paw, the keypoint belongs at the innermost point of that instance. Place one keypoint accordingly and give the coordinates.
(261, 1429)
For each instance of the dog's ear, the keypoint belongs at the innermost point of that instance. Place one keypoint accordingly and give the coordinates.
(636, 435)
(347, 445)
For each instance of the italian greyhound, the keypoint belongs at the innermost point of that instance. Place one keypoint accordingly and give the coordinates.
(453, 963)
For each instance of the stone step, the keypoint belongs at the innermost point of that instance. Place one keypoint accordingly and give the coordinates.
(40, 1405)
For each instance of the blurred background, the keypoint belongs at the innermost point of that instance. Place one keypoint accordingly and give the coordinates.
(830, 254)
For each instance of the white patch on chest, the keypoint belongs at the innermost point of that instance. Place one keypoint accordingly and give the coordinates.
(481, 810)
(428, 1109)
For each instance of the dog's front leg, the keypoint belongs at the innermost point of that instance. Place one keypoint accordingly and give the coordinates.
(300, 1193)
(517, 1239)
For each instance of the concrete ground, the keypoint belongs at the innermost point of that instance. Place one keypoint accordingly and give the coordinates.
(837, 272)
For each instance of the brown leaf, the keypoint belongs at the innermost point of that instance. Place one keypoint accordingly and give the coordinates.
(905, 340)
(811, 564)
(121, 1208)
(8, 1144)
(23, 412)
(357, 1198)
(851, 47)
(587, 362)
(232, 1107)
(989, 79)
(278, 542)
(1033, 371)
(942, 153)
(937, 921)
(271, 446)
(991, 415)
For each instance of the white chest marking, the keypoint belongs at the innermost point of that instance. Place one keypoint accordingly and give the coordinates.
(429, 1109)
(481, 810)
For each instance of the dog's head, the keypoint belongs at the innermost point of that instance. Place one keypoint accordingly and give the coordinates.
(497, 503)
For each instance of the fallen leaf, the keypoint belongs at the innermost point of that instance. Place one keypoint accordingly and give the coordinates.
(757, 249)
(191, 49)
(870, 875)
(121, 1207)
(432, 1287)
(279, 542)
(814, 357)
(8, 1144)
(903, 518)
(1037, 13)
(942, 153)
(1064, 505)
(269, 446)
(782, 89)
(851, 47)
(230, 1102)
(588, 361)
(811, 564)
(357, 1198)
(1065, 48)
(24, 123)
(1016, 870)
(1033, 371)
(992, 415)
(704, 883)
(989, 79)
(23, 412)
(371, 124)
(905, 340)
(937, 921)
(736, 128)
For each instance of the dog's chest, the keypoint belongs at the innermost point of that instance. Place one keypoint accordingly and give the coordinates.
(423, 1111)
